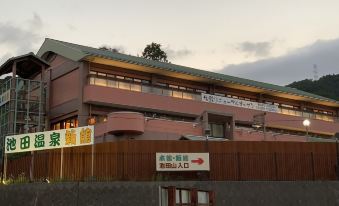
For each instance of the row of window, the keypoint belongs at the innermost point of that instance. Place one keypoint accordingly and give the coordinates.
(184, 197)
(141, 81)
(65, 124)
(286, 109)
(134, 84)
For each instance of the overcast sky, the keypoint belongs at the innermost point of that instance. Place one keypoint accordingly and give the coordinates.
(277, 41)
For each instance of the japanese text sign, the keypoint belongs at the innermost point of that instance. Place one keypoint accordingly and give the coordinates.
(50, 139)
(239, 103)
(182, 161)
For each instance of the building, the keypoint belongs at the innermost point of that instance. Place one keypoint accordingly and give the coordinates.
(67, 85)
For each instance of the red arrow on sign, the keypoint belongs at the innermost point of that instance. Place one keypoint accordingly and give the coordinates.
(199, 161)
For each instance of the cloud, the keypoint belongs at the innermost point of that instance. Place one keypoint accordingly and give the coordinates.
(294, 66)
(36, 22)
(257, 49)
(17, 39)
(176, 54)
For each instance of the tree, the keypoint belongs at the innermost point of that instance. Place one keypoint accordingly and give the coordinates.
(111, 49)
(326, 86)
(153, 51)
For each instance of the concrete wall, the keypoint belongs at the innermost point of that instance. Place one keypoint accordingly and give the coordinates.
(147, 193)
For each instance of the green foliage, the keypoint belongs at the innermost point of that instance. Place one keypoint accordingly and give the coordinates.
(111, 49)
(326, 86)
(153, 51)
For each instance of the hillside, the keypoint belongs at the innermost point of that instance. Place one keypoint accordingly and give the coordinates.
(326, 86)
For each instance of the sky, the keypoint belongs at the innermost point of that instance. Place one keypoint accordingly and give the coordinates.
(274, 41)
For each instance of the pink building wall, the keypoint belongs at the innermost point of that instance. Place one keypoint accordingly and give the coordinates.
(124, 98)
(64, 88)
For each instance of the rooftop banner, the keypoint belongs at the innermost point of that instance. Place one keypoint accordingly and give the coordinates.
(182, 162)
(50, 139)
(239, 103)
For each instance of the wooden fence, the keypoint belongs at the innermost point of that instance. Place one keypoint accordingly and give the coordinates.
(134, 160)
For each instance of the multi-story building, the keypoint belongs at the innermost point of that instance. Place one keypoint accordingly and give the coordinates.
(68, 85)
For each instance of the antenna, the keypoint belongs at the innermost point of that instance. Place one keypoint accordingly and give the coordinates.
(315, 72)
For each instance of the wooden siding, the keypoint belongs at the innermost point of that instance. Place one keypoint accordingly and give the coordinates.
(134, 160)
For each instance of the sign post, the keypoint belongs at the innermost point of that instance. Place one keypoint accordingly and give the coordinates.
(182, 162)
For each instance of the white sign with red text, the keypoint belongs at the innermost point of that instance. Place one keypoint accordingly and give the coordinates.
(182, 161)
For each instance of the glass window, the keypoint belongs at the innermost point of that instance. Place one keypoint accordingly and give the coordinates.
(182, 88)
(203, 197)
(217, 130)
(137, 80)
(124, 85)
(161, 84)
(101, 82)
(185, 196)
(110, 76)
(112, 83)
(164, 197)
(186, 95)
(120, 77)
(146, 89)
(177, 94)
(136, 87)
(92, 72)
(157, 90)
(167, 92)
(145, 81)
(92, 80)
(101, 74)
(173, 86)
(200, 91)
(128, 79)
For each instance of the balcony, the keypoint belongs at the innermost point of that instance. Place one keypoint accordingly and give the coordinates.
(184, 94)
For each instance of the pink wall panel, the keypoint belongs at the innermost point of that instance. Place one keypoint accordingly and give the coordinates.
(65, 88)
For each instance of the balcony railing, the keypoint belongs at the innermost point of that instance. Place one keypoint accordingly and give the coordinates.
(177, 93)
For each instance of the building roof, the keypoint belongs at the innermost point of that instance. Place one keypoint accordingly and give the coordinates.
(26, 66)
(77, 52)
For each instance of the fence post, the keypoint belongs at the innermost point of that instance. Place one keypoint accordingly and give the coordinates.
(313, 170)
(5, 168)
(276, 166)
(61, 163)
(92, 161)
(31, 168)
(238, 161)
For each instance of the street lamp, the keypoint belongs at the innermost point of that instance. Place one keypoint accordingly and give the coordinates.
(306, 124)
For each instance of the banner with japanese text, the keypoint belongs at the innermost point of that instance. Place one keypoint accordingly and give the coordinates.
(50, 139)
(182, 162)
(239, 103)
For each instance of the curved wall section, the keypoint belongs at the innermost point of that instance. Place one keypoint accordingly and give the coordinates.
(125, 123)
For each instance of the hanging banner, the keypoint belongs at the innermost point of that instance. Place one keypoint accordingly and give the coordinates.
(239, 103)
(50, 139)
(182, 162)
